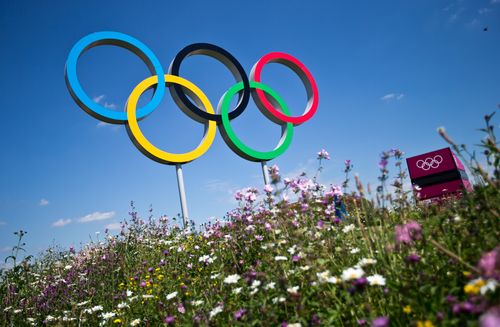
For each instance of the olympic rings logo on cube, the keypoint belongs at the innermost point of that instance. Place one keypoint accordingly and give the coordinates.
(266, 99)
(429, 163)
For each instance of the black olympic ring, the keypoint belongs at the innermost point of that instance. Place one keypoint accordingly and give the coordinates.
(207, 49)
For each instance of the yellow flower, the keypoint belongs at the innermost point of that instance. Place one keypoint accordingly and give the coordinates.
(407, 309)
(466, 273)
(117, 321)
(426, 323)
(157, 269)
(187, 294)
(160, 277)
(474, 286)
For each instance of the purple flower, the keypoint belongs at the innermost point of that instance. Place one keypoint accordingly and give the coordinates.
(361, 322)
(383, 163)
(413, 258)
(320, 224)
(239, 314)
(406, 234)
(295, 258)
(380, 322)
(347, 163)
(169, 320)
(143, 284)
(490, 318)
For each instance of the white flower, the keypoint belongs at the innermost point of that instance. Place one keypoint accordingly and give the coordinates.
(376, 280)
(214, 276)
(255, 284)
(292, 250)
(197, 303)
(232, 279)
(215, 311)
(293, 290)
(204, 258)
(135, 322)
(355, 250)
(17, 310)
(280, 258)
(297, 324)
(278, 299)
(31, 319)
(237, 290)
(323, 276)
(352, 273)
(491, 285)
(148, 296)
(68, 267)
(277, 231)
(49, 318)
(270, 286)
(107, 315)
(129, 293)
(366, 261)
(305, 268)
(253, 291)
(122, 305)
(332, 280)
(171, 295)
(96, 308)
(348, 228)
(133, 298)
(82, 303)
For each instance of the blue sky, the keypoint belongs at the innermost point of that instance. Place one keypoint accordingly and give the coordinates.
(388, 72)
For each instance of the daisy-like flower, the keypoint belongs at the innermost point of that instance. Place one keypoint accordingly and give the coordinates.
(297, 324)
(280, 258)
(232, 279)
(255, 284)
(355, 250)
(292, 250)
(270, 286)
(68, 267)
(348, 228)
(491, 285)
(107, 315)
(324, 277)
(215, 311)
(147, 296)
(122, 305)
(171, 295)
(96, 308)
(278, 299)
(376, 280)
(135, 322)
(352, 273)
(305, 268)
(293, 290)
(214, 276)
(237, 290)
(129, 293)
(197, 303)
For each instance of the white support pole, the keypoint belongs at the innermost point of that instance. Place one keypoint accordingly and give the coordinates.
(182, 196)
(265, 173)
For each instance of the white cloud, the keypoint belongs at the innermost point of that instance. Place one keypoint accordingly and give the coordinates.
(495, 1)
(98, 98)
(61, 222)
(2, 223)
(105, 104)
(44, 202)
(392, 96)
(96, 216)
(114, 226)
(102, 124)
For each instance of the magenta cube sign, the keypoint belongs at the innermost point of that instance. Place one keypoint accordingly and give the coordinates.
(437, 173)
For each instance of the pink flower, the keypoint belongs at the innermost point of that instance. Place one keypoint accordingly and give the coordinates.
(323, 154)
(489, 264)
(490, 318)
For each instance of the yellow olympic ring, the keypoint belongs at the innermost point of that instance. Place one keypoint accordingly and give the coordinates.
(142, 142)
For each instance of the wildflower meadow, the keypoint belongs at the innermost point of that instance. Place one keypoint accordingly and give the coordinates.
(294, 253)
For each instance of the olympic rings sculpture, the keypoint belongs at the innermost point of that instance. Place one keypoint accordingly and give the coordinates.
(182, 90)
(429, 163)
